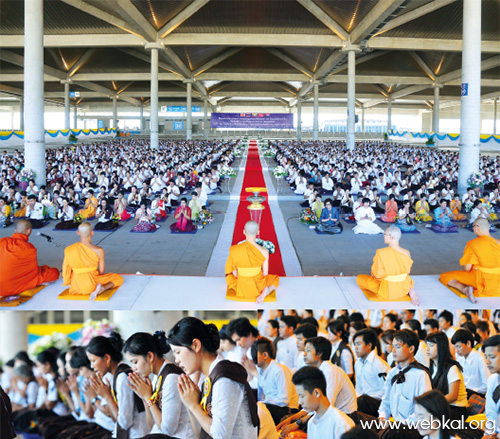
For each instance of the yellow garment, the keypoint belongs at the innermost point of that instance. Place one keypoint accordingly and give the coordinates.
(247, 260)
(90, 208)
(422, 210)
(483, 253)
(456, 207)
(317, 208)
(390, 278)
(21, 213)
(80, 270)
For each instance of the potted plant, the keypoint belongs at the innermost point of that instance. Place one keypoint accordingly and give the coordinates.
(72, 138)
(430, 141)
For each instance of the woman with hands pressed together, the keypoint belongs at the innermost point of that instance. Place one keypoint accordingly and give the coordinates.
(226, 407)
(165, 412)
(111, 384)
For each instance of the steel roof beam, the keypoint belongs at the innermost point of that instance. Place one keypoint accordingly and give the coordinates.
(181, 17)
(322, 16)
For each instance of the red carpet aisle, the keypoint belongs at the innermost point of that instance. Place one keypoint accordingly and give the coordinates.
(255, 178)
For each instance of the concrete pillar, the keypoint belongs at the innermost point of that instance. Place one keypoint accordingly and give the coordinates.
(34, 135)
(389, 114)
(435, 110)
(351, 99)
(470, 105)
(129, 322)
(84, 121)
(66, 105)
(153, 117)
(316, 112)
(299, 119)
(75, 117)
(189, 125)
(363, 119)
(495, 116)
(141, 117)
(205, 119)
(21, 113)
(115, 112)
(13, 326)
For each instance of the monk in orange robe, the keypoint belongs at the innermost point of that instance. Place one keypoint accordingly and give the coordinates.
(19, 270)
(90, 207)
(83, 266)
(247, 269)
(481, 265)
(390, 279)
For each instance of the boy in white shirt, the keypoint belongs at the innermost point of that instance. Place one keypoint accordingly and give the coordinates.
(304, 332)
(287, 347)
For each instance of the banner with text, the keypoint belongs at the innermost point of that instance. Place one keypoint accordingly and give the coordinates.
(257, 121)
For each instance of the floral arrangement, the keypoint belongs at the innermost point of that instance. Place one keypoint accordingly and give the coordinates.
(308, 217)
(227, 171)
(93, 328)
(476, 180)
(269, 245)
(55, 340)
(206, 217)
(469, 205)
(27, 174)
(279, 172)
(268, 153)
(77, 218)
(116, 218)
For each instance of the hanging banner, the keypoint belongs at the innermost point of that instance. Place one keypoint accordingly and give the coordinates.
(260, 121)
(180, 109)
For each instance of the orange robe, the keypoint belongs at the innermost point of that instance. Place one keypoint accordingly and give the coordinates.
(19, 270)
(247, 286)
(455, 207)
(390, 279)
(483, 253)
(80, 270)
(21, 213)
(90, 209)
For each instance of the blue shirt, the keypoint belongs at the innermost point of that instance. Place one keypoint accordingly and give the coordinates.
(325, 213)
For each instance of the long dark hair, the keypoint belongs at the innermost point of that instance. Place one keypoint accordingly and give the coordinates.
(112, 346)
(141, 343)
(190, 328)
(444, 360)
(435, 403)
(49, 356)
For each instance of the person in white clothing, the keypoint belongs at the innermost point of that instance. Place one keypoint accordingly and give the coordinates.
(324, 421)
(365, 220)
(371, 371)
(430, 409)
(287, 352)
(491, 349)
(303, 332)
(475, 372)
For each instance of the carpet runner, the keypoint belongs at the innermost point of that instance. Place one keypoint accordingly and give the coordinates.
(255, 178)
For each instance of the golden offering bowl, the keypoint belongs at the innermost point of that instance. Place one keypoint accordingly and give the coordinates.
(256, 199)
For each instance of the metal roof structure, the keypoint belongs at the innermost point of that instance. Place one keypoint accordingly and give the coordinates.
(243, 49)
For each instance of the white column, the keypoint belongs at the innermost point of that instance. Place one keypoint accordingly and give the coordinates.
(13, 326)
(21, 113)
(363, 119)
(316, 112)
(141, 117)
(84, 121)
(66, 105)
(470, 105)
(189, 127)
(389, 114)
(205, 119)
(75, 116)
(129, 322)
(495, 116)
(435, 110)
(153, 117)
(34, 134)
(115, 112)
(351, 99)
(299, 119)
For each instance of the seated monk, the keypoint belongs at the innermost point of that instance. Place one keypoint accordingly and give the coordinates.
(481, 265)
(83, 266)
(19, 270)
(390, 278)
(247, 269)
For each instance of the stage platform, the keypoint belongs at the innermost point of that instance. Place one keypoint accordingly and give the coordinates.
(143, 292)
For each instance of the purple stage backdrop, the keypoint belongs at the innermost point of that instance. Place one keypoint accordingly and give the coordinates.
(258, 121)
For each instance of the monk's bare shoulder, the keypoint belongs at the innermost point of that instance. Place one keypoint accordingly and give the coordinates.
(264, 251)
(406, 252)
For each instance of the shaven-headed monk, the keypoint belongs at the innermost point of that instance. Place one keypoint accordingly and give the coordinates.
(481, 265)
(390, 279)
(247, 269)
(19, 270)
(83, 266)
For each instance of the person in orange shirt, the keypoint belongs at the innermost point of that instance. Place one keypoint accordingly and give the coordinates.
(19, 269)
(83, 266)
(90, 207)
(390, 278)
(247, 269)
(481, 265)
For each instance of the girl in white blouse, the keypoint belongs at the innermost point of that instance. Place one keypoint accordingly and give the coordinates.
(226, 408)
(165, 412)
(430, 410)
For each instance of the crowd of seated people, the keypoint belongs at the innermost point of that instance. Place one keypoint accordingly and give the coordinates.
(113, 180)
(324, 372)
(388, 176)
